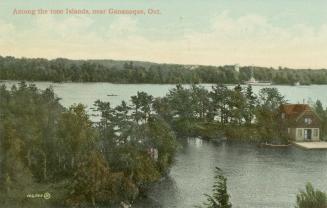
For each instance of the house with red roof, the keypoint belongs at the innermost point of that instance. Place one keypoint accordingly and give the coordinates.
(300, 121)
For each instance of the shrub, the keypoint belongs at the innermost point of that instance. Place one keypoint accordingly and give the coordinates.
(311, 198)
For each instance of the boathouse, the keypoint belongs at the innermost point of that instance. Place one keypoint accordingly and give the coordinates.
(300, 122)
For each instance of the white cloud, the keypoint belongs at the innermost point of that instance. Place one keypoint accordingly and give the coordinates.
(7, 32)
(249, 39)
(69, 30)
(125, 26)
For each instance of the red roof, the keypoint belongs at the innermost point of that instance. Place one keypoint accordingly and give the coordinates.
(294, 110)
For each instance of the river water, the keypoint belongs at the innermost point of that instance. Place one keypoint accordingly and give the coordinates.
(257, 177)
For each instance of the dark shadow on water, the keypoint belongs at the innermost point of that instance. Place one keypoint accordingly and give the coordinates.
(155, 198)
(257, 176)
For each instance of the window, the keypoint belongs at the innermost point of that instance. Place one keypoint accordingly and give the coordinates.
(307, 120)
(283, 115)
(315, 132)
(299, 132)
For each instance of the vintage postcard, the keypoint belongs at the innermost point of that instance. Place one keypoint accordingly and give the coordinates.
(163, 104)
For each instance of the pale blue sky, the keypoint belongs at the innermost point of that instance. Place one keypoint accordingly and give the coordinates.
(289, 33)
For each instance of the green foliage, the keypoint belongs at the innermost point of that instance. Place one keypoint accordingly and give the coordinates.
(322, 113)
(200, 100)
(162, 137)
(219, 101)
(126, 136)
(60, 70)
(235, 113)
(311, 198)
(75, 137)
(141, 106)
(130, 147)
(94, 183)
(181, 101)
(102, 163)
(270, 98)
(16, 178)
(29, 121)
(246, 133)
(250, 106)
(219, 198)
(267, 116)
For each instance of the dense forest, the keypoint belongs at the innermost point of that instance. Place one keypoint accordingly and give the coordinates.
(233, 113)
(45, 147)
(65, 70)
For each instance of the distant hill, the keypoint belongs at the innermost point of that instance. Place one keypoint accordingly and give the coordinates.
(119, 64)
(120, 71)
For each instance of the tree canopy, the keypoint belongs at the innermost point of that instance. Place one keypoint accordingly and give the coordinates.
(65, 70)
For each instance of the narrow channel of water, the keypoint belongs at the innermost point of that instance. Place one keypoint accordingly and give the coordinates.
(257, 177)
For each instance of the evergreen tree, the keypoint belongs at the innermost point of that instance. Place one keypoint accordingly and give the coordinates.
(220, 96)
(200, 97)
(15, 177)
(318, 107)
(219, 198)
(94, 183)
(251, 102)
(141, 105)
(267, 116)
(237, 105)
(76, 135)
(311, 198)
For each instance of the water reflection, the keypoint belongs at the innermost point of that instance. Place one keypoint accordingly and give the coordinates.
(197, 142)
(153, 200)
(257, 177)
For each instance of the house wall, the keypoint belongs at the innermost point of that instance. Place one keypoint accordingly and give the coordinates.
(315, 122)
(299, 134)
(292, 133)
(294, 123)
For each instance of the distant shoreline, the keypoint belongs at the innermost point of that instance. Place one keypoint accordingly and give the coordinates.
(136, 72)
(83, 82)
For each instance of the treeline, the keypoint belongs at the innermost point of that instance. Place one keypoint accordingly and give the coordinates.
(64, 70)
(233, 113)
(47, 148)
